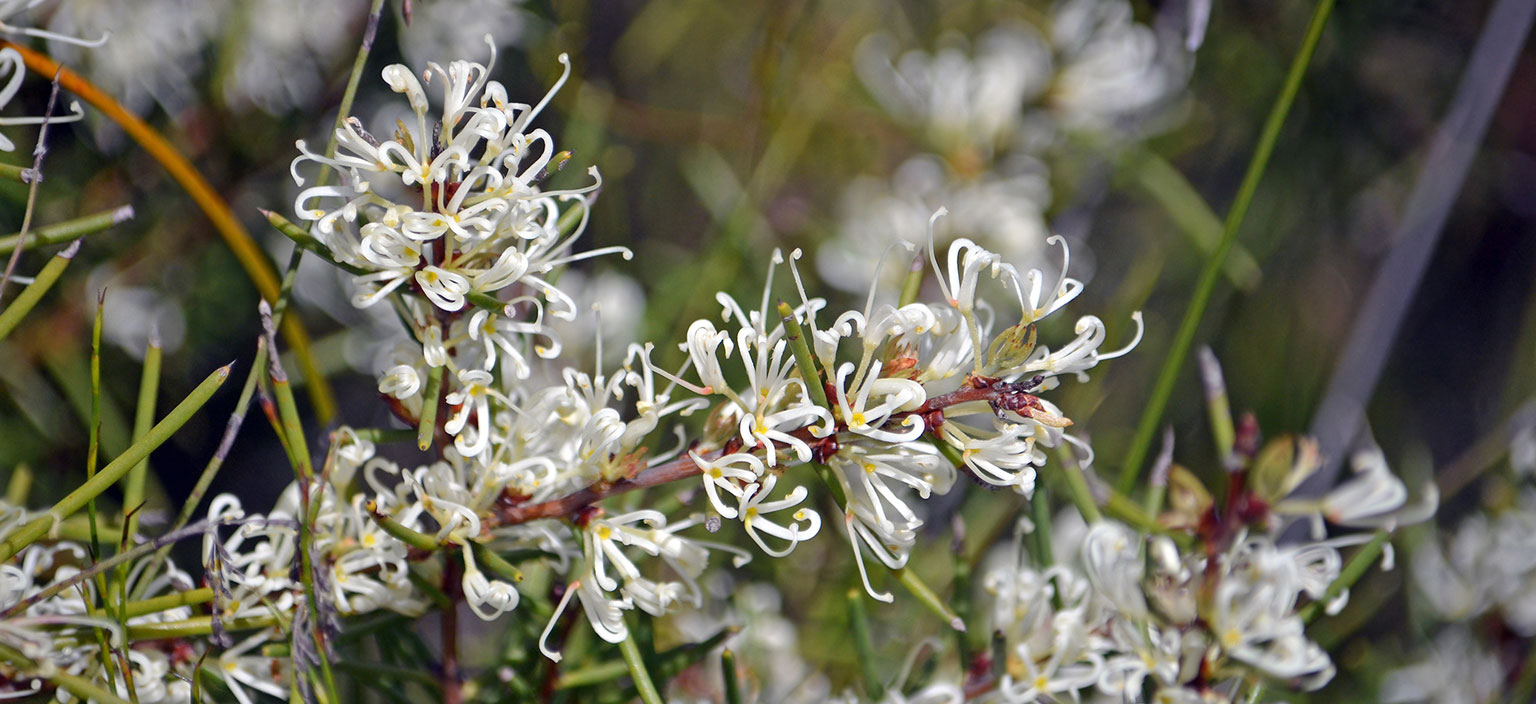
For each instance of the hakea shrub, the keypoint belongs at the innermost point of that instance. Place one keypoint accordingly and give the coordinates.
(884, 407)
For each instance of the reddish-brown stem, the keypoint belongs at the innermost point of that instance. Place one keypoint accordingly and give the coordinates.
(684, 467)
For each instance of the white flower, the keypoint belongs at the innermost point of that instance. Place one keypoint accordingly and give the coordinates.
(242, 670)
(1006, 458)
(489, 598)
(472, 397)
(961, 102)
(755, 509)
(1112, 559)
(733, 473)
(400, 381)
(894, 395)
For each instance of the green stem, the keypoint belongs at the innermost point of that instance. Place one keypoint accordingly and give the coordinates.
(1040, 513)
(426, 429)
(61, 232)
(913, 284)
(19, 486)
(237, 418)
(166, 602)
(12, 172)
(1157, 492)
(928, 598)
(495, 563)
(1163, 183)
(196, 626)
(354, 78)
(732, 677)
(1184, 338)
(33, 293)
(632, 659)
(803, 359)
(384, 436)
(397, 530)
(109, 665)
(109, 475)
(1077, 487)
(304, 241)
(592, 675)
(864, 645)
(144, 417)
(93, 450)
(961, 592)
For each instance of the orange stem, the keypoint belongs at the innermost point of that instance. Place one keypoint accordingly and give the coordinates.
(191, 180)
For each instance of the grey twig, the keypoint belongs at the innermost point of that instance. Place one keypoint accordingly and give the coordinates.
(1340, 416)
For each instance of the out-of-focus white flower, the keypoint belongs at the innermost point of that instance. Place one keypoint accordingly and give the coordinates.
(1373, 497)
(286, 49)
(444, 27)
(156, 63)
(1113, 69)
(1003, 210)
(1457, 670)
(1487, 565)
(960, 102)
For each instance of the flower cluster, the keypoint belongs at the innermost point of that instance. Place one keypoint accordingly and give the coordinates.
(1185, 613)
(51, 615)
(450, 222)
(1476, 587)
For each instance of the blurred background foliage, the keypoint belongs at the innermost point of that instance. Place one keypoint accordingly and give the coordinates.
(726, 130)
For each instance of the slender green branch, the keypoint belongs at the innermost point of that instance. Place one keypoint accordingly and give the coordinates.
(29, 296)
(928, 598)
(354, 78)
(1163, 183)
(732, 677)
(1184, 338)
(427, 428)
(144, 417)
(19, 486)
(864, 645)
(642, 677)
(93, 448)
(960, 596)
(495, 563)
(420, 541)
(592, 675)
(19, 174)
(803, 359)
(197, 626)
(68, 230)
(166, 602)
(912, 285)
(1077, 486)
